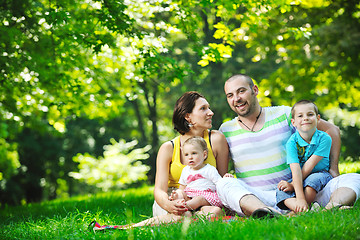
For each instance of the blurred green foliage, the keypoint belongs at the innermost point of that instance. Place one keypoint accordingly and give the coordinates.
(119, 167)
(349, 167)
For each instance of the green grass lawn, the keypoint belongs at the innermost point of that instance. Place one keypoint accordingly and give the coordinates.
(69, 218)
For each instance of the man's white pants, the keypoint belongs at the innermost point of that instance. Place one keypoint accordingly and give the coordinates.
(231, 190)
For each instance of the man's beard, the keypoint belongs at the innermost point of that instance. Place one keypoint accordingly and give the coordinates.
(246, 113)
(251, 109)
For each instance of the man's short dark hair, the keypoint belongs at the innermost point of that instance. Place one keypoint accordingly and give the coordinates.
(246, 77)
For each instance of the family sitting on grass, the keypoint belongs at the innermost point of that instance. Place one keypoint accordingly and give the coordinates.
(262, 142)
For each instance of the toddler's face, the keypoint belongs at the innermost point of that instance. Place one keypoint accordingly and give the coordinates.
(194, 156)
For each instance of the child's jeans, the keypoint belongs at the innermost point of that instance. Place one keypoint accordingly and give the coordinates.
(316, 181)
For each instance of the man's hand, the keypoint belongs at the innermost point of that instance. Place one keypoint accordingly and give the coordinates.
(334, 173)
(285, 186)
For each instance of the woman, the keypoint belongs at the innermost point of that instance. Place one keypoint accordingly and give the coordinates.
(192, 117)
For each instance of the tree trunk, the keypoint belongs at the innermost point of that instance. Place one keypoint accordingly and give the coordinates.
(140, 121)
(151, 103)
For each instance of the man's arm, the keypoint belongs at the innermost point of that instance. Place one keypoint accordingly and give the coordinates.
(334, 133)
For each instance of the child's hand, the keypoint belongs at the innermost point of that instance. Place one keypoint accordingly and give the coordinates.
(228, 175)
(285, 186)
(301, 205)
(172, 195)
(181, 202)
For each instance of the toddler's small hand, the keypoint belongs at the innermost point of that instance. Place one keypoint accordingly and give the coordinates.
(172, 195)
(228, 175)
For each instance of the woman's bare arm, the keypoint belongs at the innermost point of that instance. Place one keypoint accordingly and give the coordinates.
(163, 161)
(220, 149)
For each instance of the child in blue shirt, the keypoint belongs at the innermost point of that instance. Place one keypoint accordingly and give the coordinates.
(308, 151)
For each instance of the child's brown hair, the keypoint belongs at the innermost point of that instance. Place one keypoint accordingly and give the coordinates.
(303, 102)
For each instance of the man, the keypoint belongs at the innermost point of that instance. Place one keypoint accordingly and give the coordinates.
(257, 138)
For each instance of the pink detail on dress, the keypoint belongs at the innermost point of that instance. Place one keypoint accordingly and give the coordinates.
(195, 177)
(209, 195)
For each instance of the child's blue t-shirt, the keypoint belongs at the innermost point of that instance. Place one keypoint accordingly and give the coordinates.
(299, 151)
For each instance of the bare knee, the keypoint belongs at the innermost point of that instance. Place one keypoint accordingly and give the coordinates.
(310, 194)
(344, 196)
(217, 211)
(212, 211)
(249, 203)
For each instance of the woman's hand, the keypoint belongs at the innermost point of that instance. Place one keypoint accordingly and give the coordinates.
(177, 207)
